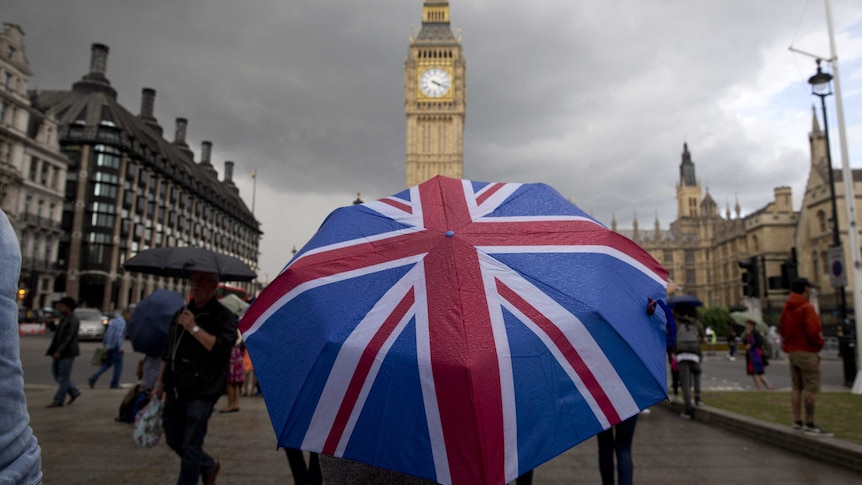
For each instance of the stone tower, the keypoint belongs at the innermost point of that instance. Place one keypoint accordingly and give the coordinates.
(688, 190)
(435, 98)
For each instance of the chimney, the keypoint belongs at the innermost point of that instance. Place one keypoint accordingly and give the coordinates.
(95, 80)
(228, 173)
(98, 60)
(180, 133)
(148, 103)
(206, 149)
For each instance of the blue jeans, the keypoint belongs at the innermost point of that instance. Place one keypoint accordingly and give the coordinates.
(62, 371)
(20, 456)
(617, 439)
(185, 425)
(115, 358)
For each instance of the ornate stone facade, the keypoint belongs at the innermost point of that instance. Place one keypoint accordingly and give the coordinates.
(702, 249)
(32, 173)
(435, 98)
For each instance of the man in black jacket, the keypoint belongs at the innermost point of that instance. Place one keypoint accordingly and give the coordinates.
(64, 349)
(193, 376)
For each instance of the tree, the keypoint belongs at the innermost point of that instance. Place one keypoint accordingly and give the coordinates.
(716, 317)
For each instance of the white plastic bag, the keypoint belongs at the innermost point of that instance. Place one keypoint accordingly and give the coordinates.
(148, 424)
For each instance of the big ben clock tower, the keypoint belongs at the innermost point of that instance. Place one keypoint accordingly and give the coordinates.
(435, 98)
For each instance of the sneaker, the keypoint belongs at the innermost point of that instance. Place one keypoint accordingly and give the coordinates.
(687, 414)
(698, 402)
(91, 382)
(55, 405)
(815, 430)
(72, 398)
(797, 425)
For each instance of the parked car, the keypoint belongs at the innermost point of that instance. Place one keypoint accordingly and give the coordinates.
(93, 323)
(31, 315)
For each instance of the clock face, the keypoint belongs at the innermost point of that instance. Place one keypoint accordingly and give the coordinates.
(434, 82)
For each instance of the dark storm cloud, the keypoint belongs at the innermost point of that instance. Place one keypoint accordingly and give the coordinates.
(595, 98)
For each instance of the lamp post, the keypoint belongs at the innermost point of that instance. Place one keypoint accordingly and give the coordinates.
(821, 87)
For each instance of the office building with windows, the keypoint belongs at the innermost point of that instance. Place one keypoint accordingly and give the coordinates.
(128, 189)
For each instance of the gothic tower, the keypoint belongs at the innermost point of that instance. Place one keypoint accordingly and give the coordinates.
(435, 98)
(688, 189)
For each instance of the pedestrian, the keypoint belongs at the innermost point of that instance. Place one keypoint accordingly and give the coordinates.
(755, 359)
(617, 440)
(64, 349)
(304, 474)
(801, 334)
(113, 343)
(20, 455)
(731, 343)
(774, 342)
(193, 376)
(235, 376)
(689, 337)
(249, 383)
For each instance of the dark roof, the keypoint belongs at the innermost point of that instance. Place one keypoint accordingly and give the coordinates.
(89, 104)
(436, 33)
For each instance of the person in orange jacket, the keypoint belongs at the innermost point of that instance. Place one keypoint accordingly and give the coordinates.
(802, 337)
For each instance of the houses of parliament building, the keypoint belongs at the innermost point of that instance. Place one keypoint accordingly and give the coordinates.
(703, 248)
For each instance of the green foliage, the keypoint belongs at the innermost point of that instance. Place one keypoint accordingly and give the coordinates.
(716, 317)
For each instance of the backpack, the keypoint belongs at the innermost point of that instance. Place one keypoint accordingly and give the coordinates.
(687, 338)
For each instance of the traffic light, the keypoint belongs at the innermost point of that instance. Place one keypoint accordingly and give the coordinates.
(21, 293)
(788, 274)
(750, 282)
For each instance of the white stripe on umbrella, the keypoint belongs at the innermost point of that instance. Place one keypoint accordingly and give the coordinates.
(578, 337)
(342, 373)
(426, 377)
(308, 285)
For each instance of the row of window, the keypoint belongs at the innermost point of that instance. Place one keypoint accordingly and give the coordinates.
(44, 173)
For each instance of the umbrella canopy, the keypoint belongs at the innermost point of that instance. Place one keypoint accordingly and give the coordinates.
(182, 262)
(464, 332)
(740, 317)
(234, 303)
(148, 327)
(675, 300)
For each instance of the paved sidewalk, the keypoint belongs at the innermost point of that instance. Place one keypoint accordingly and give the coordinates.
(81, 444)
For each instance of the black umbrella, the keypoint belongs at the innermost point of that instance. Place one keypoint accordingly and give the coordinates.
(182, 262)
(675, 300)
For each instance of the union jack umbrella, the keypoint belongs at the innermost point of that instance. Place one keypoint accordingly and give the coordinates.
(460, 331)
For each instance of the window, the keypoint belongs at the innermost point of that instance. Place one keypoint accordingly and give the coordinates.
(821, 221)
(105, 185)
(107, 160)
(34, 167)
(7, 79)
(43, 175)
(76, 130)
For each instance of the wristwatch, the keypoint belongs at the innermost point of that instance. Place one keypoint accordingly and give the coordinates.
(196, 329)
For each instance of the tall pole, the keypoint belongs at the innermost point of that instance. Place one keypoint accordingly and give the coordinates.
(253, 188)
(836, 235)
(850, 205)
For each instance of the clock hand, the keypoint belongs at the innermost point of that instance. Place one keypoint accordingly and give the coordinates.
(435, 82)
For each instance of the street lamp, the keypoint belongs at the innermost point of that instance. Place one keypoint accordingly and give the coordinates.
(821, 87)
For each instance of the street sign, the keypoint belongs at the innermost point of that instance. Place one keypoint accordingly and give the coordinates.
(837, 270)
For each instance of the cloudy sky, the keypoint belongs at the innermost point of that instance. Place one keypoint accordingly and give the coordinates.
(594, 98)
